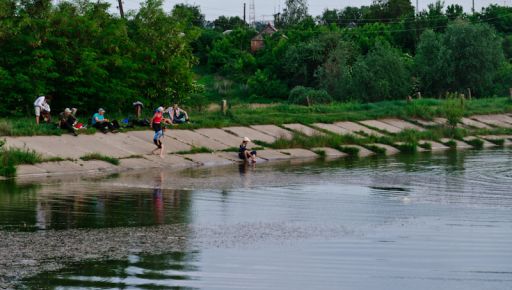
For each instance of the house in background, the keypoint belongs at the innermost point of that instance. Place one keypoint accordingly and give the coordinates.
(258, 42)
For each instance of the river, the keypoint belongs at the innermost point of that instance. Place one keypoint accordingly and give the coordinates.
(440, 221)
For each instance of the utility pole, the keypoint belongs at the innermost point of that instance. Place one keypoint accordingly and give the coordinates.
(121, 10)
(245, 9)
(473, 7)
(417, 7)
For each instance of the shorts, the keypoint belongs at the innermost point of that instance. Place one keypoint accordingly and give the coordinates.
(37, 111)
(158, 135)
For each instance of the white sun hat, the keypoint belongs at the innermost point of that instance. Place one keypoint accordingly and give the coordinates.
(247, 139)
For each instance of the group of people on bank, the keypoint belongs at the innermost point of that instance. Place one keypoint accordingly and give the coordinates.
(162, 116)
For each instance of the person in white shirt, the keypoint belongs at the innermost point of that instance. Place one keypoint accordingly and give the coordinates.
(41, 107)
(177, 115)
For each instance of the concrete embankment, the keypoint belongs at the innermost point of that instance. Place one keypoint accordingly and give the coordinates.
(134, 148)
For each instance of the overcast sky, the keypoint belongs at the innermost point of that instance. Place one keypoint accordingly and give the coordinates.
(265, 8)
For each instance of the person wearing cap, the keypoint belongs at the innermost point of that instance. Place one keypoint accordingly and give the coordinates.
(156, 125)
(101, 123)
(246, 154)
(67, 120)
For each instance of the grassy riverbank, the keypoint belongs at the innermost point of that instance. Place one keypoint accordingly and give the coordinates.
(251, 114)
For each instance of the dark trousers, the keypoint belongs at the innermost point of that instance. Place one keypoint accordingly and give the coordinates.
(104, 126)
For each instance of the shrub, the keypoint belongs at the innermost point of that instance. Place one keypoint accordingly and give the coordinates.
(476, 143)
(453, 110)
(98, 156)
(351, 151)
(308, 96)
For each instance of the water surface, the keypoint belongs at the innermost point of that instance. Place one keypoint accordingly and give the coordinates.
(423, 222)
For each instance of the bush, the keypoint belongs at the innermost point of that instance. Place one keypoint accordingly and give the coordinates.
(97, 156)
(264, 85)
(454, 110)
(308, 96)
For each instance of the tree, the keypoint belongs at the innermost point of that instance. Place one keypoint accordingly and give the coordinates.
(295, 12)
(335, 73)
(224, 23)
(190, 14)
(429, 64)
(455, 11)
(383, 74)
(473, 56)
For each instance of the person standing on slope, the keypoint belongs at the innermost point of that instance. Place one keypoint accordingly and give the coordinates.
(156, 125)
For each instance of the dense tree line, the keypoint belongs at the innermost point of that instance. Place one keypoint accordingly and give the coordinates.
(383, 51)
(85, 56)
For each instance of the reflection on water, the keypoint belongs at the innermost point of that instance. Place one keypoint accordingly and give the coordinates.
(417, 221)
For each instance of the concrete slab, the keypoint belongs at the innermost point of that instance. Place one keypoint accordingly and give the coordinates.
(435, 146)
(425, 123)
(363, 152)
(333, 129)
(63, 167)
(486, 143)
(27, 170)
(251, 134)
(440, 121)
(475, 124)
(390, 150)
(330, 152)
(127, 142)
(171, 161)
(171, 145)
(308, 131)
(52, 146)
(503, 117)
(356, 128)
(208, 159)
(506, 139)
(91, 144)
(221, 136)
(492, 120)
(401, 124)
(138, 163)
(381, 126)
(233, 156)
(299, 153)
(197, 140)
(460, 144)
(272, 155)
(273, 130)
(96, 165)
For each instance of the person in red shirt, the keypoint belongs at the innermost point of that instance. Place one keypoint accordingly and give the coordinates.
(156, 125)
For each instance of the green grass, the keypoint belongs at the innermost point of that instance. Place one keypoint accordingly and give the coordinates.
(98, 156)
(196, 150)
(376, 149)
(351, 151)
(408, 147)
(497, 142)
(12, 157)
(476, 143)
(281, 113)
(425, 145)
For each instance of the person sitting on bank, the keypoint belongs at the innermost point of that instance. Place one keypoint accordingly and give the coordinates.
(101, 123)
(177, 115)
(67, 120)
(246, 154)
(42, 109)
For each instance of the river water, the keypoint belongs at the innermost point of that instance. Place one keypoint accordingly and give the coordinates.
(440, 221)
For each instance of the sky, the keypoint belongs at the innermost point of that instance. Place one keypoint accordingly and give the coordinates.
(264, 9)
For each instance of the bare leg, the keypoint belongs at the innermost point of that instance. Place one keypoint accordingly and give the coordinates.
(37, 120)
(162, 151)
